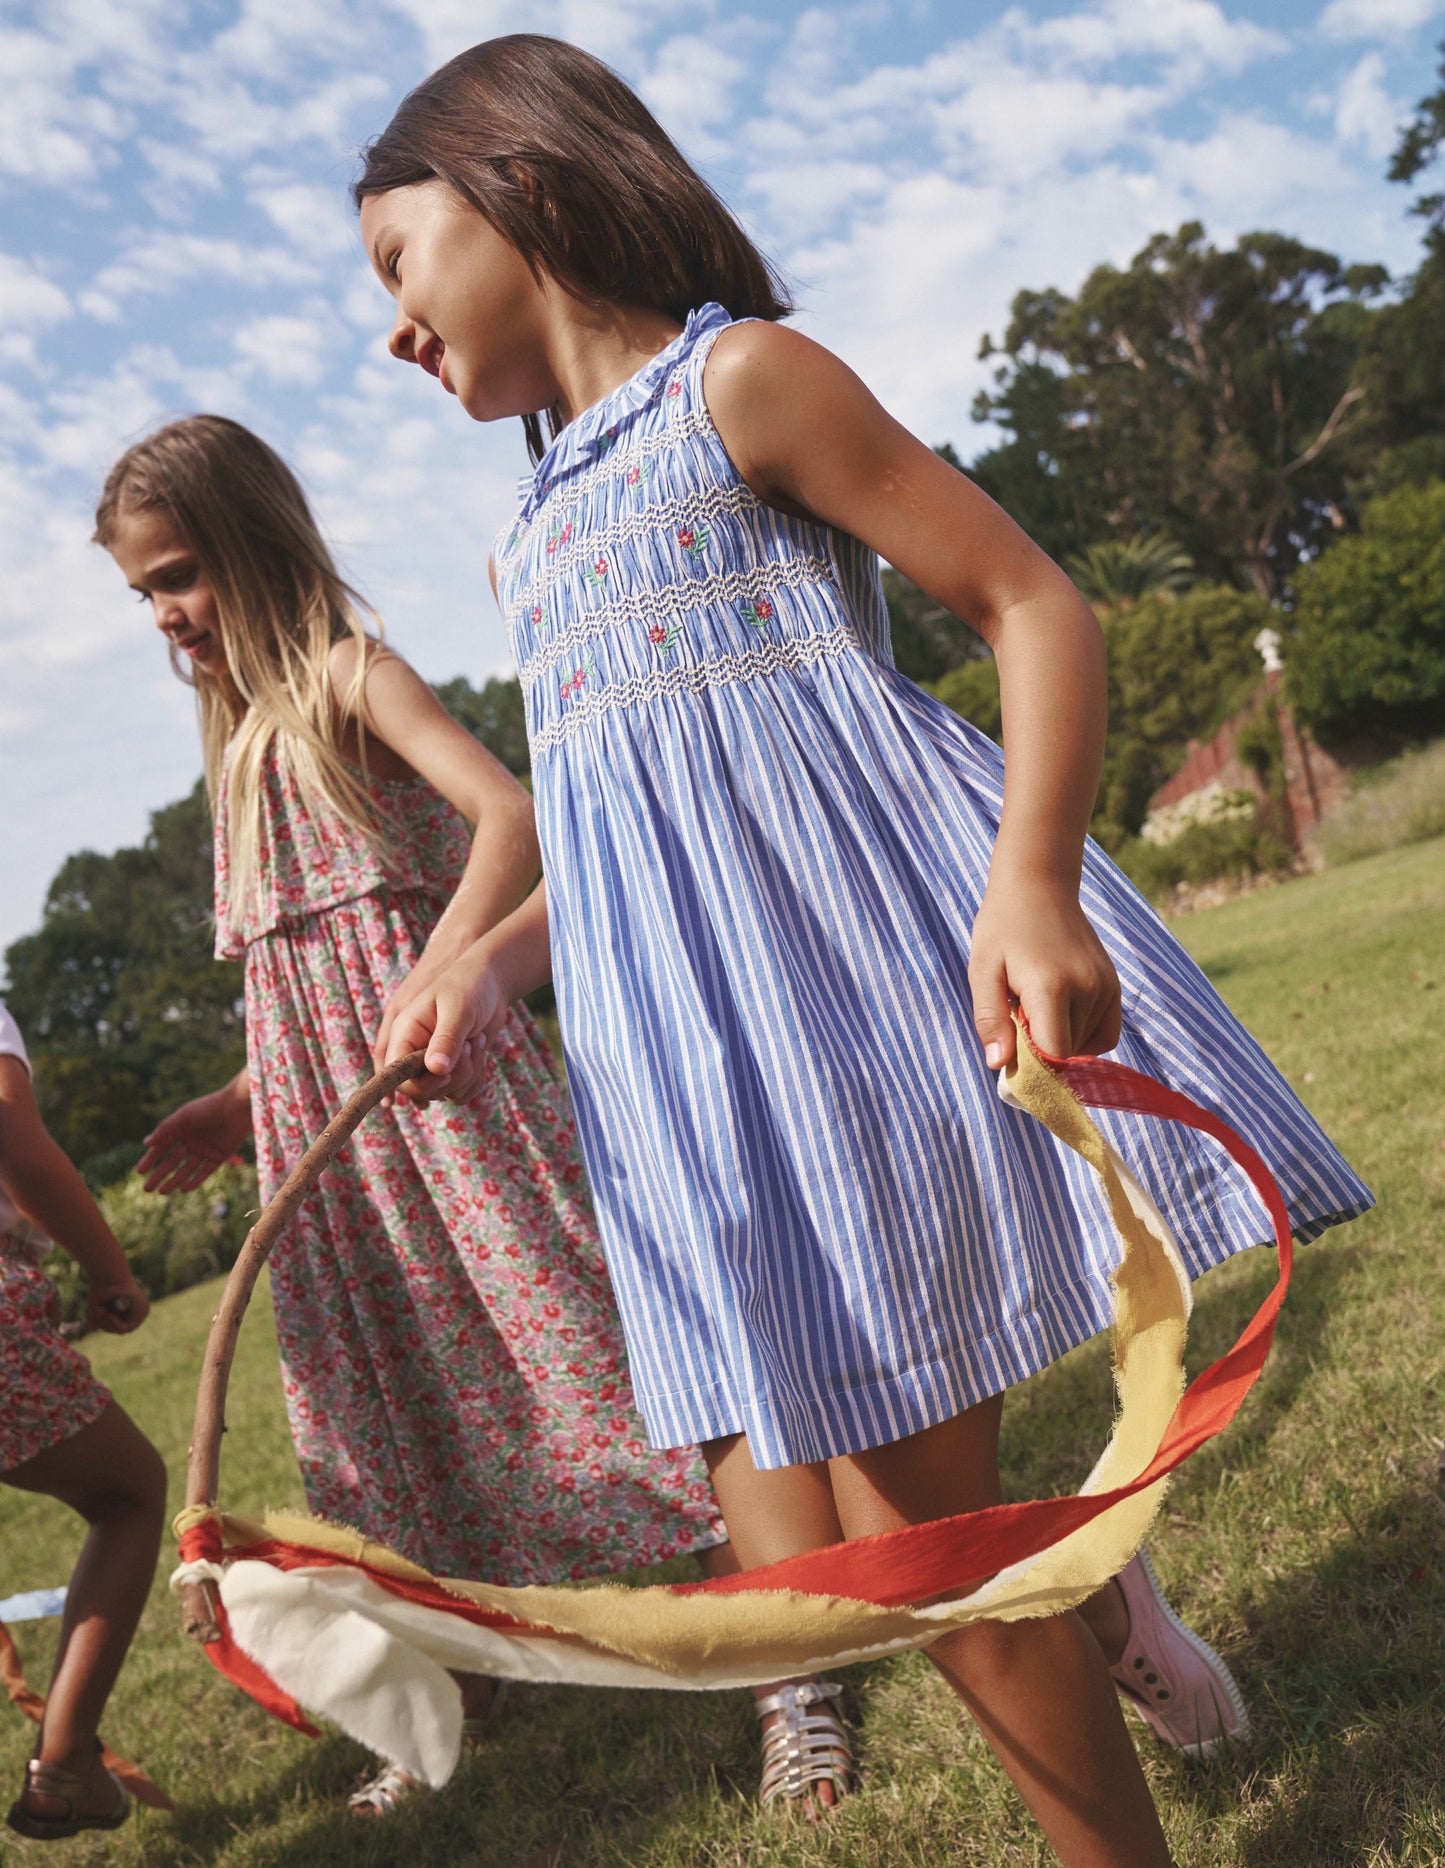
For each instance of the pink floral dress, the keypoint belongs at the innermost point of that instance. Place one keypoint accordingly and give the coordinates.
(453, 1363)
(47, 1392)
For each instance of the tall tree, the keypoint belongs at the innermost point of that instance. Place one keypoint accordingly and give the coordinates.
(1403, 369)
(125, 1010)
(1205, 393)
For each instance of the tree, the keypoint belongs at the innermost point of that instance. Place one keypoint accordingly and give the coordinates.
(495, 714)
(1202, 393)
(1179, 666)
(1403, 367)
(124, 1009)
(1118, 571)
(1420, 143)
(1368, 654)
(123, 1006)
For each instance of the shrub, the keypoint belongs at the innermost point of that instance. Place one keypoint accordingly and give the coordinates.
(172, 1242)
(972, 691)
(1368, 657)
(1207, 852)
(1403, 802)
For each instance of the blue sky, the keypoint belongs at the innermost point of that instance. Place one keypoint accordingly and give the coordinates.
(176, 236)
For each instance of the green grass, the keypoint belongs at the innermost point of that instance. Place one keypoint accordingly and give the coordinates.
(1308, 1544)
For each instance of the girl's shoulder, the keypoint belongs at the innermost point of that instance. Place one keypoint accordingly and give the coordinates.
(776, 398)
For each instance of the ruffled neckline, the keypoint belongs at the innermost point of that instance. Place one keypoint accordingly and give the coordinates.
(578, 440)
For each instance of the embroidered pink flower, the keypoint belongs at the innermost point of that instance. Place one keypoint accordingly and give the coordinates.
(674, 389)
(559, 539)
(597, 570)
(607, 442)
(536, 616)
(693, 539)
(573, 684)
(663, 636)
(759, 614)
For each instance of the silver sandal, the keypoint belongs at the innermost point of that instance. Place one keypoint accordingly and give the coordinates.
(381, 1794)
(806, 1746)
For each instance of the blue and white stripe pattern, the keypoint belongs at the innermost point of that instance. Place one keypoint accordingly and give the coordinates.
(764, 851)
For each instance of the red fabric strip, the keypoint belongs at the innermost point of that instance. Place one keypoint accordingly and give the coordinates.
(923, 1561)
(202, 1543)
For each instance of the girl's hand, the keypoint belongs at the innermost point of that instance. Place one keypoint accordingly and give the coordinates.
(115, 1304)
(194, 1140)
(428, 970)
(455, 1020)
(1033, 943)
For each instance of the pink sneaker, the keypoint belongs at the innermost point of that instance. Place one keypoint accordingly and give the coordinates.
(1172, 1678)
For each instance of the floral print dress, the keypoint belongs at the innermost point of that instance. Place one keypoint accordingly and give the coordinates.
(454, 1371)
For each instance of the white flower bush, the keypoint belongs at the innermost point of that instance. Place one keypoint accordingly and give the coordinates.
(1214, 804)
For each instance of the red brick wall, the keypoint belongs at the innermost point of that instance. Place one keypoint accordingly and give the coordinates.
(1313, 780)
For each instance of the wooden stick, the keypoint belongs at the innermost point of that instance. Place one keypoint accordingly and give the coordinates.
(198, 1600)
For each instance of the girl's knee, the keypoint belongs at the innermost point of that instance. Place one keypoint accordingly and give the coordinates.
(987, 1654)
(136, 1488)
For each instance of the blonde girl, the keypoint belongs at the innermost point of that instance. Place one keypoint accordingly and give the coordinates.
(454, 1372)
(790, 898)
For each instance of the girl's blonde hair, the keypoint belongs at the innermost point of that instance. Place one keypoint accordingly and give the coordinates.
(573, 170)
(282, 606)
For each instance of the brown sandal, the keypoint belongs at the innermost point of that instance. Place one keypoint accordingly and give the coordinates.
(806, 1746)
(71, 1788)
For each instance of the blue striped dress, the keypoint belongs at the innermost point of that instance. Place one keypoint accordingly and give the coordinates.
(764, 851)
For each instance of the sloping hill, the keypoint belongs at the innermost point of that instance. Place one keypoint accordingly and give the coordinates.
(1307, 1545)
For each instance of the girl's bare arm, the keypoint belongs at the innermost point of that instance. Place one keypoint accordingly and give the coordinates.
(43, 1182)
(809, 438)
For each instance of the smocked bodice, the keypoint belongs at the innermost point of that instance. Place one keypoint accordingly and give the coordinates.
(640, 564)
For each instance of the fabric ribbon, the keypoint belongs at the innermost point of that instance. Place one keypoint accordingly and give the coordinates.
(363, 1637)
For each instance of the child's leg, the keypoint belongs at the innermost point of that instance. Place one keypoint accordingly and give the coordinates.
(112, 1475)
(770, 1515)
(1040, 1690)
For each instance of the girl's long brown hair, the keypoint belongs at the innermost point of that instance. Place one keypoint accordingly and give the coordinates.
(282, 605)
(552, 148)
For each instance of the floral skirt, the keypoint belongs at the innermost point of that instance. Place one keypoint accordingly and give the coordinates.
(454, 1367)
(47, 1392)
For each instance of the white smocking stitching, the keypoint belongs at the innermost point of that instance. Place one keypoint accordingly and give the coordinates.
(695, 678)
(669, 601)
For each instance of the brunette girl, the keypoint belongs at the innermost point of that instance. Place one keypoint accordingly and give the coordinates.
(789, 898)
(62, 1433)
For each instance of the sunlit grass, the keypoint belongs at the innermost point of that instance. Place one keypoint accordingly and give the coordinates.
(1307, 1544)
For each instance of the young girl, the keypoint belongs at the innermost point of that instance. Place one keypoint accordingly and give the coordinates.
(454, 1371)
(791, 899)
(63, 1435)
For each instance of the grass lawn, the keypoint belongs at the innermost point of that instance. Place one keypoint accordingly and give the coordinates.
(1309, 1544)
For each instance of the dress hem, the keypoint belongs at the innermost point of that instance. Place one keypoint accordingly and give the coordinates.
(1067, 1316)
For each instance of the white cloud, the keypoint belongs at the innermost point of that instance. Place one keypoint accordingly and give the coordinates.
(166, 262)
(610, 28)
(317, 220)
(1193, 30)
(1365, 113)
(27, 296)
(1376, 19)
(53, 133)
(692, 84)
(286, 349)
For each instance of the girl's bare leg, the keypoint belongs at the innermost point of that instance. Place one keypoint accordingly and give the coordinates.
(112, 1475)
(1040, 1690)
(776, 1514)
